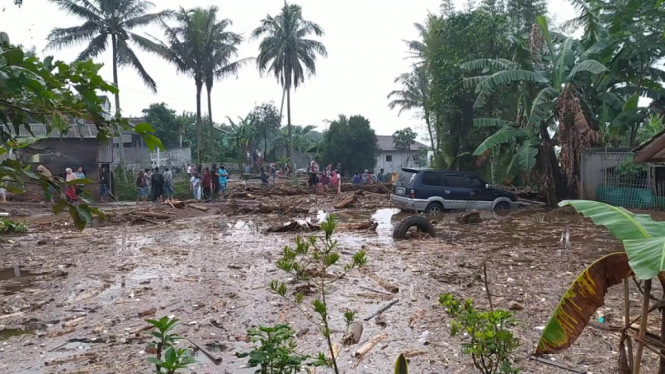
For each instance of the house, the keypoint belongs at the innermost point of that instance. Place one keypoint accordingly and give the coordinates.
(392, 159)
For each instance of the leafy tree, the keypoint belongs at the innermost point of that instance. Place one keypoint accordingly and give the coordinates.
(242, 135)
(352, 142)
(523, 14)
(287, 53)
(452, 39)
(54, 94)
(403, 139)
(169, 128)
(104, 21)
(266, 122)
(414, 95)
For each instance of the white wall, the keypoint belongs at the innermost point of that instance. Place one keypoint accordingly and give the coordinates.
(400, 159)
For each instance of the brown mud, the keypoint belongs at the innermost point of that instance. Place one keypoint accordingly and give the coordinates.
(75, 302)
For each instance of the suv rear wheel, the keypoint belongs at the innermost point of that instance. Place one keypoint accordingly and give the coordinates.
(434, 209)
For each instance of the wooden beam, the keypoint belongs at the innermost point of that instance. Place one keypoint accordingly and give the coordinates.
(650, 149)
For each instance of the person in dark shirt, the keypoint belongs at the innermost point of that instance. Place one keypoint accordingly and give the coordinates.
(104, 185)
(157, 182)
(207, 184)
(264, 177)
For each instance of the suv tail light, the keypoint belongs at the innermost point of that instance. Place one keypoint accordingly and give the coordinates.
(412, 194)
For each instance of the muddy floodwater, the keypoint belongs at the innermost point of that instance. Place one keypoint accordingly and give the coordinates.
(75, 302)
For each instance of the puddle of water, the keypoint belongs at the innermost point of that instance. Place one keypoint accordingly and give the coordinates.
(14, 279)
(9, 333)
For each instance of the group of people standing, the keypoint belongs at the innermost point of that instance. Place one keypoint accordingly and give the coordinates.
(368, 177)
(154, 181)
(205, 183)
(321, 179)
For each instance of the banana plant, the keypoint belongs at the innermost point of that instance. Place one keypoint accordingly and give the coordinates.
(643, 239)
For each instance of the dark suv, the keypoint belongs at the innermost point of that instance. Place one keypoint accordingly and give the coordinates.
(432, 191)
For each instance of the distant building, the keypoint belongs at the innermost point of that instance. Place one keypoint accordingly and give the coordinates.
(392, 159)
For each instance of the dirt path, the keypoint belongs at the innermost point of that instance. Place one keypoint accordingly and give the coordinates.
(81, 298)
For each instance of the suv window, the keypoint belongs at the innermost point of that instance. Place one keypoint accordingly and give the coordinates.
(454, 181)
(406, 178)
(474, 182)
(431, 178)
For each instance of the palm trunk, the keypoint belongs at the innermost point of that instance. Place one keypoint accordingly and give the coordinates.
(121, 145)
(212, 134)
(199, 144)
(288, 118)
(429, 129)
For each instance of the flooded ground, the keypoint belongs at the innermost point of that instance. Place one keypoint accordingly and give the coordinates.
(75, 302)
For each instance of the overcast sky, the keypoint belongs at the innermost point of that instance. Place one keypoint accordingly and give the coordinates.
(365, 54)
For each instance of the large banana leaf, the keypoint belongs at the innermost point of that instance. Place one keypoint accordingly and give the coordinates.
(486, 88)
(622, 223)
(642, 237)
(526, 156)
(485, 64)
(503, 136)
(580, 302)
(590, 66)
(542, 105)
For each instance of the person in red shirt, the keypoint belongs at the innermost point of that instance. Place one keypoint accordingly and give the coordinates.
(206, 184)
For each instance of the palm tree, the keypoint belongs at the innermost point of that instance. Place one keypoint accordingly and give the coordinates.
(286, 52)
(414, 95)
(222, 49)
(241, 134)
(106, 20)
(191, 46)
(300, 136)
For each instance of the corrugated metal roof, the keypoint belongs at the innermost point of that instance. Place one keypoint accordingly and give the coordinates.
(76, 131)
(385, 143)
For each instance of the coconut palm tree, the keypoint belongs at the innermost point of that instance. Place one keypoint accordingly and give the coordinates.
(223, 48)
(287, 53)
(414, 95)
(199, 46)
(104, 21)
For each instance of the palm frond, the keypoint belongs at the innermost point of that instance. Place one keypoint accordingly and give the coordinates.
(80, 8)
(96, 47)
(127, 57)
(65, 37)
(148, 19)
(232, 68)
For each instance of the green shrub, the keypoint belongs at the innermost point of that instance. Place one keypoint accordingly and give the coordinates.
(488, 339)
(274, 350)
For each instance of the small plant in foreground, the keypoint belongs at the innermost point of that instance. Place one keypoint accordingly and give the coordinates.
(491, 344)
(8, 226)
(274, 350)
(164, 341)
(310, 261)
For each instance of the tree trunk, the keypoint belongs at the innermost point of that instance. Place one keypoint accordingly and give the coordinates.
(550, 172)
(429, 129)
(199, 145)
(121, 145)
(212, 130)
(288, 118)
(265, 144)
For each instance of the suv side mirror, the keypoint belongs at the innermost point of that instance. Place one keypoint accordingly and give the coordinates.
(487, 186)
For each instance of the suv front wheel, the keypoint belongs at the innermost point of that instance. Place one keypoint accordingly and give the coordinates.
(434, 209)
(502, 206)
